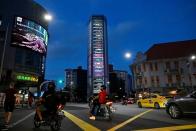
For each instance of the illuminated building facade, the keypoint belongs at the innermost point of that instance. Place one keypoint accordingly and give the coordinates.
(97, 54)
(23, 43)
(165, 67)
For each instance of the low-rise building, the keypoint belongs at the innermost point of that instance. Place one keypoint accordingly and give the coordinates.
(166, 67)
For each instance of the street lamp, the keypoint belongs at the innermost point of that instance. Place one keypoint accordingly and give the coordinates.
(192, 58)
(3, 53)
(48, 17)
(127, 55)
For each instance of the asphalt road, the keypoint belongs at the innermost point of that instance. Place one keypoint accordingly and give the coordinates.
(125, 118)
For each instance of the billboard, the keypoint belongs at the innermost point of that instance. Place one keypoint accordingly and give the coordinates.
(29, 34)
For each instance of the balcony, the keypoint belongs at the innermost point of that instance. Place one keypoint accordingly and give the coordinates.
(174, 71)
(139, 75)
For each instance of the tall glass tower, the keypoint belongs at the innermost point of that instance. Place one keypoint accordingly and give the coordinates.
(97, 54)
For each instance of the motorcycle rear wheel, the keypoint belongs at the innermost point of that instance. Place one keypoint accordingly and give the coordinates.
(37, 124)
(56, 125)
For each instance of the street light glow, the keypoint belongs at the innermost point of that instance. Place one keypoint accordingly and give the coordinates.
(193, 57)
(127, 55)
(48, 17)
(60, 81)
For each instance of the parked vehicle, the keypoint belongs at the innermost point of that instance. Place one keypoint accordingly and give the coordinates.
(152, 100)
(177, 107)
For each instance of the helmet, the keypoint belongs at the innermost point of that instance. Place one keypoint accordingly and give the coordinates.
(103, 87)
(51, 86)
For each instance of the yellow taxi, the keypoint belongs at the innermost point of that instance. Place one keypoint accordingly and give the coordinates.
(152, 100)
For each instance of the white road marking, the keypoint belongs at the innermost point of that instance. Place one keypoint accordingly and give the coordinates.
(21, 120)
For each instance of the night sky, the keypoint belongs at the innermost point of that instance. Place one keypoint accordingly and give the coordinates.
(133, 25)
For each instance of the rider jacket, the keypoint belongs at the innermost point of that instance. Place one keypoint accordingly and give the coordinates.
(102, 97)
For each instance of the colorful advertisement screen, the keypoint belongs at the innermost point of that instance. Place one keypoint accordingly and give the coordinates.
(29, 34)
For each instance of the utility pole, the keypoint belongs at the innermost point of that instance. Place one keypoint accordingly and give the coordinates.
(3, 53)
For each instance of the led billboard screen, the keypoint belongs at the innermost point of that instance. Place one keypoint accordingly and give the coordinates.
(29, 34)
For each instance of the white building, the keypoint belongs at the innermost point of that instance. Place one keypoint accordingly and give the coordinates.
(165, 67)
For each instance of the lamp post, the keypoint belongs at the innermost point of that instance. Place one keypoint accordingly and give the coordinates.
(3, 53)
(192, 58)
(128, 55)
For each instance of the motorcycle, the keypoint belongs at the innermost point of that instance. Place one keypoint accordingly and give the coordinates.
(124, 102)
(52, 119)
(105, 111)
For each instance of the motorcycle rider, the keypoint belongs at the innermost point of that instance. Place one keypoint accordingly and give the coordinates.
(48, 101)
(101, 100)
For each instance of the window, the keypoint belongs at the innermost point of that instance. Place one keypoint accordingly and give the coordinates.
(168, 66)
(145, 80)
(156, 66)
(134, 68)
(157, 79)
(144, 67)
(194, 64)
(178, 79)
(169, 78)
(190, 79)
(139, 68)
(151, 67)
(140, 80)
(152, 79)
(176, 64)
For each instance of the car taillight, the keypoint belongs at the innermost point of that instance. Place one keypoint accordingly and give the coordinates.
(59, 106)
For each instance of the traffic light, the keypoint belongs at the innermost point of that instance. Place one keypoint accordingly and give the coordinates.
(60, 81)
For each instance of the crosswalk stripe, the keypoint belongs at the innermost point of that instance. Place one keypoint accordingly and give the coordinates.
(128, 121)
(82, 124)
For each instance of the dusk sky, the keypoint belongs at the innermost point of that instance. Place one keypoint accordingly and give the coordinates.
(133, 25)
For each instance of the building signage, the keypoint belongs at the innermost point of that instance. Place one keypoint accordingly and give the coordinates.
(29, 34)
(26, 77)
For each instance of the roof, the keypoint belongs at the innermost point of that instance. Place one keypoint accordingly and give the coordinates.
(171, 50)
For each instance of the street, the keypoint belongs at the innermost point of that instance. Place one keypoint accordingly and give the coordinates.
(125, 118)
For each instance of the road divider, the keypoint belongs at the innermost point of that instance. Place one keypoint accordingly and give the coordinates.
(172, 128)
(82, 124)
(128, 121)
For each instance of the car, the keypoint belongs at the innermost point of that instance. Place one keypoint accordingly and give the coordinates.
(152, 100)
(130, 100)
(177, 107)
